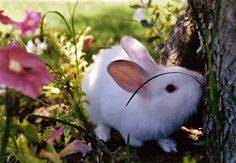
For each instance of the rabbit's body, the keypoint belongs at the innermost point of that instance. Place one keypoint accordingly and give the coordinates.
(95, 79)
(158, 109)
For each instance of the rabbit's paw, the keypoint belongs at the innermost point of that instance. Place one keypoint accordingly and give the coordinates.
(135, 142)
(103, 132)
(168, 145)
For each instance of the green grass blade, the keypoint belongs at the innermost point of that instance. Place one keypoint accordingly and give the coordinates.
(127, 151)
(61, 16)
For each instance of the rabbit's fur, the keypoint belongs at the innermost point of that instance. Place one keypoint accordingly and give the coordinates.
(159, 107)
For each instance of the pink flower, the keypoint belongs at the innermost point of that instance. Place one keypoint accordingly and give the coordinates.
(4, 19)
(75, 147)
(22, 71)
(55, 134)
(30, 23)
(87, 43)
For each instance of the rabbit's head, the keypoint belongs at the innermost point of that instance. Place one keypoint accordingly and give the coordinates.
(175, 91)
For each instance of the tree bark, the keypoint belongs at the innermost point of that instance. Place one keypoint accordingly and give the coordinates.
(181, 48)
(205, 35)
(225, 70)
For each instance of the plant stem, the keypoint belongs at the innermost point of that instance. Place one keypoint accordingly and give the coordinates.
(7, 127)
(80, 113)
(127, 151)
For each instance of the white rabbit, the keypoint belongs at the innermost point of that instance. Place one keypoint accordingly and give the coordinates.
(159, 107)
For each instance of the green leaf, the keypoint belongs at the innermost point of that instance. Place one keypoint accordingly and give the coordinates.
(154, 38)
(67, 134)
(160, 46)
(145, 24)
(30, 132)
(186, 159)
(24, 153)
(50, 153)
(127, 151)
(60, 15)
(49, 148)
(136, 6)
(201, 143)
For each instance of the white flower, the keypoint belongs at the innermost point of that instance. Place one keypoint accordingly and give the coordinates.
(43, 45)
(145, 2)
(139, 14)
(2, 86)
(36, 46)
(30, 46)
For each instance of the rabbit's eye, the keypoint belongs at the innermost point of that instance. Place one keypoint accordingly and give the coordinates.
(170, 88)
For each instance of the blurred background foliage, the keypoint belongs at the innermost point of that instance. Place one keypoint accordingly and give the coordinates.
(108, 21)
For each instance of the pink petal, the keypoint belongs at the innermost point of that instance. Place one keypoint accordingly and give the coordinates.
(75, 147)
(55, 134)
(87, 43)
(26, 59)
(39, 77)
(16, 81)
(33, 75)
(5, 20)
(50, 153)
(3, 59)
(30, 23)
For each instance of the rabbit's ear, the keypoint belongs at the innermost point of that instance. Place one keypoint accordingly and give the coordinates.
(138, 53)
(127, 74)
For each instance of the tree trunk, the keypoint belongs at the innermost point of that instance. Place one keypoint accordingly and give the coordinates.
(181, 49)
(204, 40)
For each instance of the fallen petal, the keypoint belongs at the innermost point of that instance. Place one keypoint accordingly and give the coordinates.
(75, 147)
(55, 134)
(50, 154)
